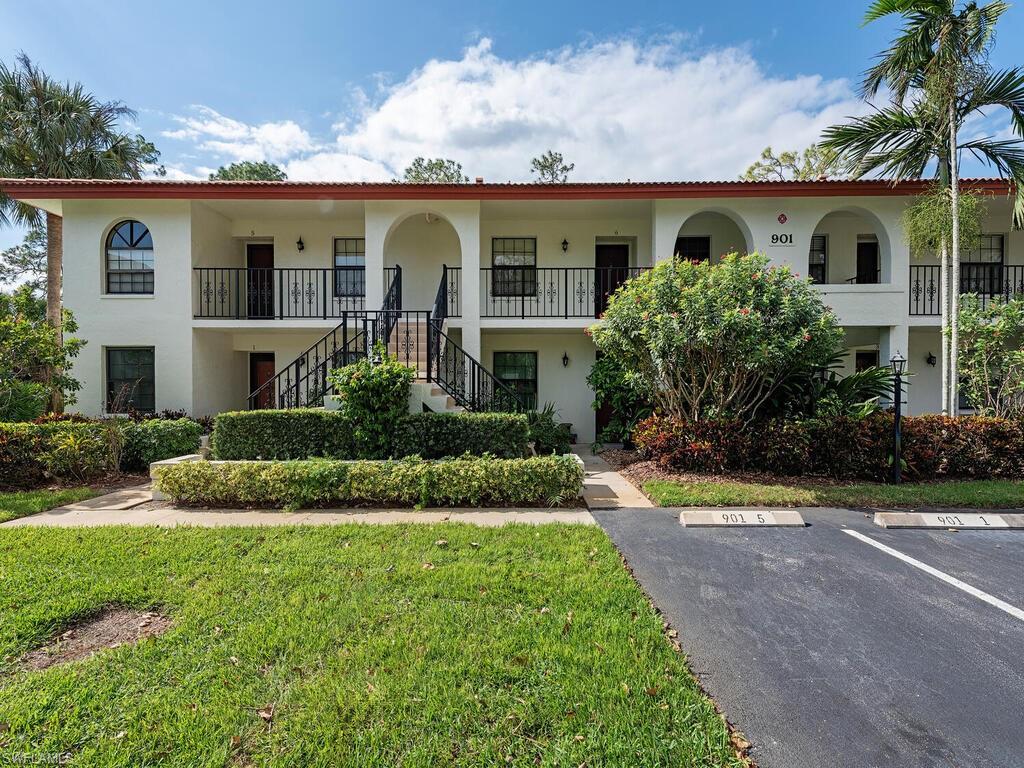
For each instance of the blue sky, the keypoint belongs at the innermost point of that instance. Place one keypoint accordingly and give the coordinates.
(342, 90)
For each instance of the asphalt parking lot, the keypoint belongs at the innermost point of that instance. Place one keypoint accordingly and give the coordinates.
(826, 650)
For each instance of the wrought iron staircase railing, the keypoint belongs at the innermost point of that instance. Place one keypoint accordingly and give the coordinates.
(303, 382)
(457, 372)
(416, 337)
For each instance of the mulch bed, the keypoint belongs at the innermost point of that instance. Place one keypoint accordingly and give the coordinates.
(112, 627)
(639, 471)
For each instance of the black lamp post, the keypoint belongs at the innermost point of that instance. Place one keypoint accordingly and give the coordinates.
(899, 366)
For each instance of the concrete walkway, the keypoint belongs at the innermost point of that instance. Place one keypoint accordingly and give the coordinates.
(134, 506)
(604, 488)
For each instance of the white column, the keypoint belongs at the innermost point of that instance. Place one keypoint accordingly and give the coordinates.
(893, 339)
(468, 227)
(377, 221)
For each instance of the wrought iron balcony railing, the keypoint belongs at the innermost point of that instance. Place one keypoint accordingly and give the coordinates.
(988, 281)
(550, 291)
(272, 293)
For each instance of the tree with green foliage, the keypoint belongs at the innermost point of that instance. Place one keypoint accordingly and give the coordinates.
(812, 164)
(615, 392)
(30, 350)
(551, 168)
(714, 342)
(938, 76)
(25, 263)
(248, 170)
(436, 170)
(992, 356)
(58, 130)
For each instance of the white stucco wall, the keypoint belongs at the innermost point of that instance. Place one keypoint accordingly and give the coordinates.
(202, 366)
(565, 386)
(421, 245)
(160, 320)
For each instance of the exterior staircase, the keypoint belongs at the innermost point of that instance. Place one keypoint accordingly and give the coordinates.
(447, 378)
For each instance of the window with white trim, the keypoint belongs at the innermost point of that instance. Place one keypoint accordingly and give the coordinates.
(129, 258)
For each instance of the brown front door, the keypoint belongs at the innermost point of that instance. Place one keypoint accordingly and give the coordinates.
(612, 270)
(260, 279)
(261, 370)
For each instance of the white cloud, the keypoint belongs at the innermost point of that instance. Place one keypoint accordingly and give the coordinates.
(626, 108)
(224, 137)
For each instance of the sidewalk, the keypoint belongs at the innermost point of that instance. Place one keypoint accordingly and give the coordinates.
(134, 506)
(604, 488)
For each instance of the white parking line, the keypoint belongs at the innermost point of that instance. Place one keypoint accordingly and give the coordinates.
(1017, 613)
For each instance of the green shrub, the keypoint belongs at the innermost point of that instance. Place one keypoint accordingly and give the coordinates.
(845, 448)
(436, 435)
(315, 433)
(63, 450)
(483, 481)
(158, 439)
(78, 455)
(374, 396)
(546, 433)
(23, 400)
(300, 433)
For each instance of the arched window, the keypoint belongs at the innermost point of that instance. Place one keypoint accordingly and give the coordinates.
(130, 258)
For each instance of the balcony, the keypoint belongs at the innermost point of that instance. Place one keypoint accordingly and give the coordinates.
(988, 281)
(238, 293)
(541, 292)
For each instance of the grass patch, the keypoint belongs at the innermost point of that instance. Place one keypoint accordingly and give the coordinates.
(16, 504)
(991, 494)
(350, 646)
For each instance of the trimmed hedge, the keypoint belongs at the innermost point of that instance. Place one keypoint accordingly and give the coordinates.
(31, 454)
(316, 433)
(158, 439)
(436, 435)
(933, 446)
(300, 433)
(481, 481)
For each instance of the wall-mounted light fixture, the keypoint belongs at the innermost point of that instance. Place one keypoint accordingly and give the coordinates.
(565, 359)
(931, 360)
(299, 244)
(565, 245)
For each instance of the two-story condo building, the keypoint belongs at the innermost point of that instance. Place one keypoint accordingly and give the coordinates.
(213, 296)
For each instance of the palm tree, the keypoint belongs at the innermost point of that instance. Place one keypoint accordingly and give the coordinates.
(938, 76)
(53, 129)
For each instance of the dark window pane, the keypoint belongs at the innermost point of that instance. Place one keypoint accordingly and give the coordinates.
(514, 266)
(130, 379)
(349, 266)
(518, 371)
(130, 259)
(693, 248)
(818, 259)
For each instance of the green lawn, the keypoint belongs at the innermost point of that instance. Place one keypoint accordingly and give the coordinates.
(20, 503)
(521, 645)
(994, 494)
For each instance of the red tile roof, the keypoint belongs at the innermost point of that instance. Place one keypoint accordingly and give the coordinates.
(331, 190)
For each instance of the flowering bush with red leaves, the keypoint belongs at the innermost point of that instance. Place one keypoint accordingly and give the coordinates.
(933, 446)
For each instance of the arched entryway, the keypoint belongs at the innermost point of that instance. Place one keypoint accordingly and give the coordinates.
(421, 243)
(710, 234)
(851, 246)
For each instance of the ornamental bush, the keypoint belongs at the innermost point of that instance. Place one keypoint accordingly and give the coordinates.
(316, 433)
(158, 439)
(715, 342)
(483, 481)
(31, 454)
(299, 433)
(843, 448)
(436, 435)
(79, 450)
(374, 396)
